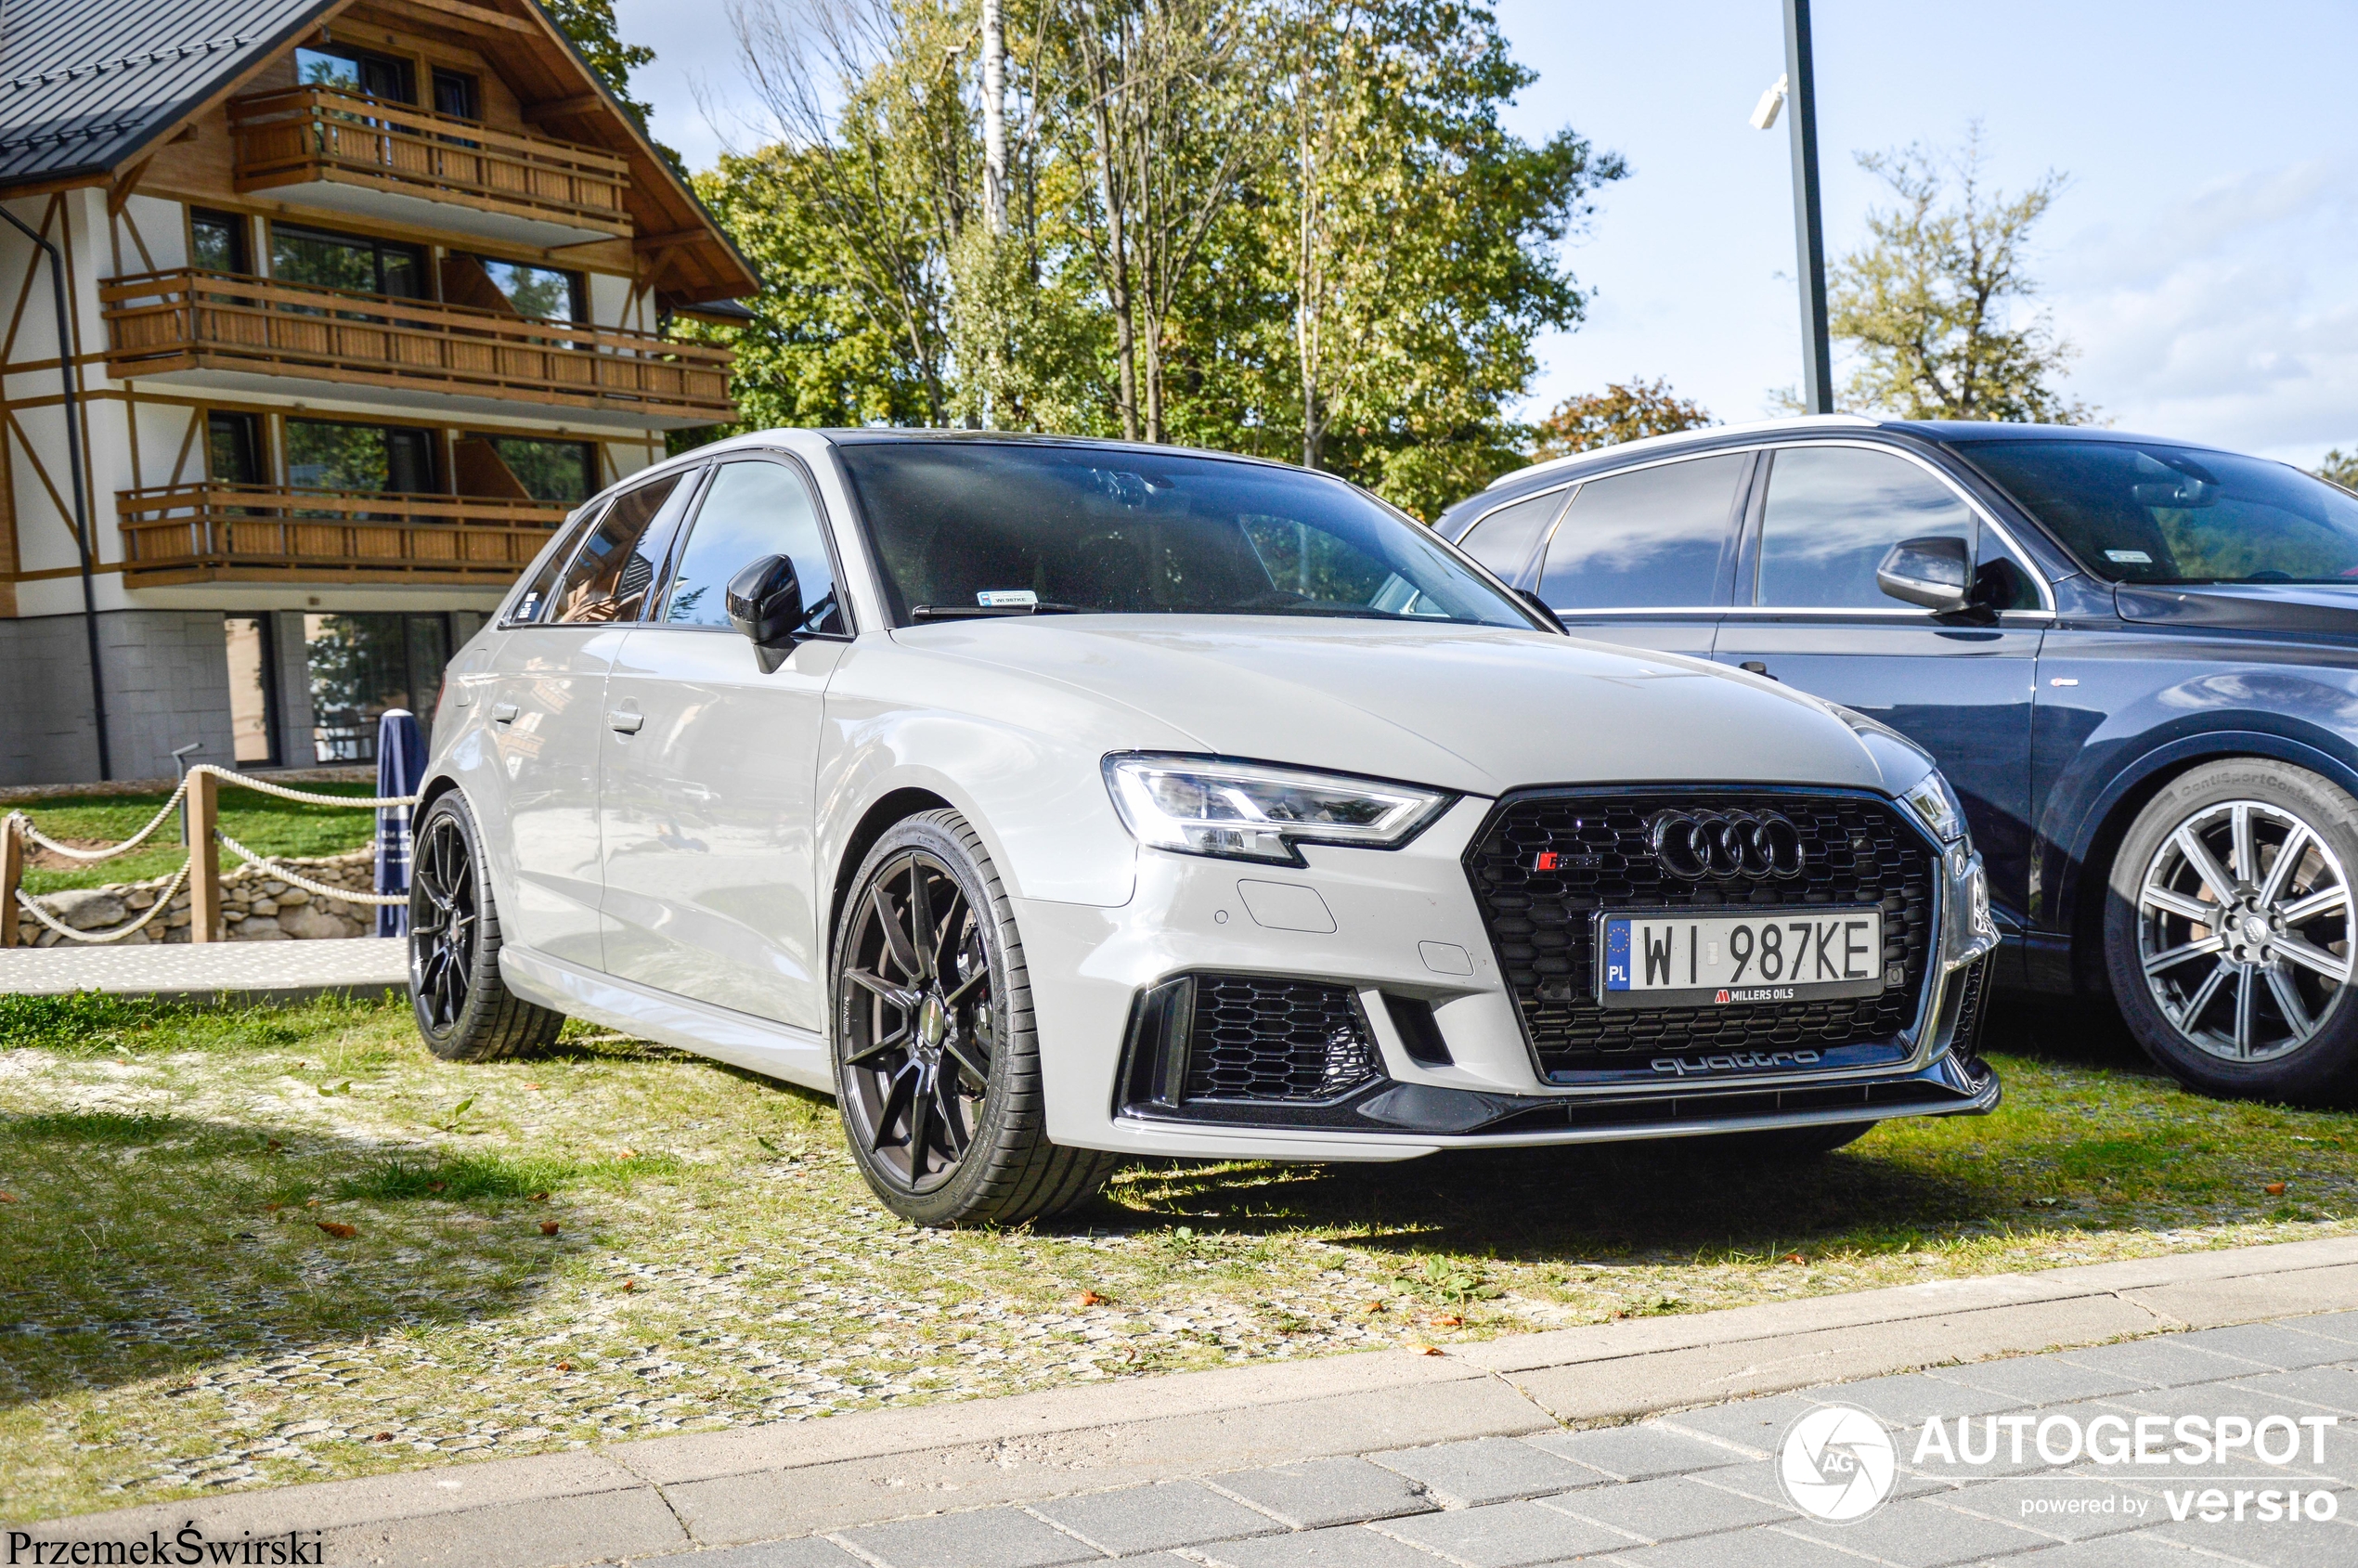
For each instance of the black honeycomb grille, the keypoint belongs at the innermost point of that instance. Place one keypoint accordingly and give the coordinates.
(1259, 1039)
(1859, 851)
(1966, 1040)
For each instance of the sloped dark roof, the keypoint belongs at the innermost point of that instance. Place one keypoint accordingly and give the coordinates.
(86, 82)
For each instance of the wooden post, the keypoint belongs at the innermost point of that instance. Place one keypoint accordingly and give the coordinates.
(204, 857)
(11, 876)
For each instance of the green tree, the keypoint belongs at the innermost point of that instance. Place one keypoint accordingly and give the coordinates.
(1629, 410)
(2340, 468)
(591, 25)
(1938, 305)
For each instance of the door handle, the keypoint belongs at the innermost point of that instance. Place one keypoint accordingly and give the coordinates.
(623, 722)
(1756, 667)
(503, 713)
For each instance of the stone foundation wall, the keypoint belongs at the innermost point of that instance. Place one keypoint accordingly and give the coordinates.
(256, 906)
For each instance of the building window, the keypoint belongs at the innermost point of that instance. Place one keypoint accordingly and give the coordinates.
(347, 261)
(455, 95)
(328, 455)
(355, 71)
(218, 242)
(362, 665)
(233, 448)
(549, 471)
(545, 293)
(254, 716)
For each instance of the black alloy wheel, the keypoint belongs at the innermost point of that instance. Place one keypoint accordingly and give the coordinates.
(919, 1027)
(466, 1011)
(938, 1071)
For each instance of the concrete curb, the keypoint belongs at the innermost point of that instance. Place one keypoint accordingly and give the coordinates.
(794, 1478)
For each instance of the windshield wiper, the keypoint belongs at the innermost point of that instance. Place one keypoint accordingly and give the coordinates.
(985, 611)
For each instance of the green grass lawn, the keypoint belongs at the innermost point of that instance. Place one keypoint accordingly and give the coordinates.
(615, 1240)
(264, 824)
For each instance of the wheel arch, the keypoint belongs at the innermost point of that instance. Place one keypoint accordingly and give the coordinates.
(2087, 861)
(895, 806)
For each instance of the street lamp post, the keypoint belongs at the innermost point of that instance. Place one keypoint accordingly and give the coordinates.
(1800, 84)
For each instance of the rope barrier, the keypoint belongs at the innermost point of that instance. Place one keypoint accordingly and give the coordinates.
(319, 889)
(164, 901)
(21, 825)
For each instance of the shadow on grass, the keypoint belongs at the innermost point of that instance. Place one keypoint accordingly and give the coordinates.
(144, 1246)
(1671, 1199)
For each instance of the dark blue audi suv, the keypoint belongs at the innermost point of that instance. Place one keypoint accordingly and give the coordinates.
(2136, 660)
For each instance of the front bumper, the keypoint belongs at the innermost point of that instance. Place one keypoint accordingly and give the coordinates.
(1394, 942)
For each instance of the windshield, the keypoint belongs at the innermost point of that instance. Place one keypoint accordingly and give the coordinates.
(2143, 513)
(970, 528)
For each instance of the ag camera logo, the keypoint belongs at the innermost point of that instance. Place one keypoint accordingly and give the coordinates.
(1836, 1464)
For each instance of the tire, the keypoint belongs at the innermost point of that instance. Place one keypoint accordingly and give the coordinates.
(1788, 1145)
(937, 1058)
(2233, 968)
(465, 1012)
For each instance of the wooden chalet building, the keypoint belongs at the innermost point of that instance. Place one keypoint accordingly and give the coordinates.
(360, 298)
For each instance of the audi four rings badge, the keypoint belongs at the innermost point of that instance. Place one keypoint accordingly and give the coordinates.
(1759, 845)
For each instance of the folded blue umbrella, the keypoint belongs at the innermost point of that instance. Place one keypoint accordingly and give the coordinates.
(401, 767)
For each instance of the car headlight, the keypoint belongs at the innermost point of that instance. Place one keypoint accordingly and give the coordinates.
(1931, 798)
(1251, 812)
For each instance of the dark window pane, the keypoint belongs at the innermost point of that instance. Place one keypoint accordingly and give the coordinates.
(232, 453)
(217, 241)
(324, 455)
(958, 526)
(250, 727)
(1649, 539)
(752, 510)
(1832, 514)
(454, 93)
(2141, 511)
(347, 261)
(1504, 540)
(428, 651)
(359, 667)
(609, 577)
(410, 461)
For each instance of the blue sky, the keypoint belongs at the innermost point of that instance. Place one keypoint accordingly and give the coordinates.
(2204, 257)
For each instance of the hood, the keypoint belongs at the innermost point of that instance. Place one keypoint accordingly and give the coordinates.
(1478, 710)
(2310, 607)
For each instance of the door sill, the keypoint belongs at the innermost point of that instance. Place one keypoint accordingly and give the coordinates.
(762, 1046)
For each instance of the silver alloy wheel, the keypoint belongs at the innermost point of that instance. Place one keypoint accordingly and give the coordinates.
(2245, 930)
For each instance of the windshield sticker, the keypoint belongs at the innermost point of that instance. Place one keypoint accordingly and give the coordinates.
(2129, 557)
(1006, 599)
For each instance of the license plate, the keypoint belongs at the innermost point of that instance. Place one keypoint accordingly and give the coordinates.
(1674, 959)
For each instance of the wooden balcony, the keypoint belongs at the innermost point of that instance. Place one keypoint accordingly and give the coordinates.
(196, 329)
(281, 534)
(347, 152)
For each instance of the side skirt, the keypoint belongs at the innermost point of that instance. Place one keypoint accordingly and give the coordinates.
(762, 1046)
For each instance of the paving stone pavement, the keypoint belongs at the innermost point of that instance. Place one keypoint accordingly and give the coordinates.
(1702, 1488)
(234, 972)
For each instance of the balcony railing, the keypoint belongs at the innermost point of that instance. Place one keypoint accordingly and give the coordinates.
(279, 532)
(320, 137)
(168, 323)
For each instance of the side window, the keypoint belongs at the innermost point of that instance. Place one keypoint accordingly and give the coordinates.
(1831, 514)
(616, 565)
(1504, 539)
(752, 510)
(1654, 538)
(533, 602)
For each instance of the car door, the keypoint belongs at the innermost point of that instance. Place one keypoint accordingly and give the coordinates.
(545, 696)
(710, 764)
(1643, 557)
(1809, 612)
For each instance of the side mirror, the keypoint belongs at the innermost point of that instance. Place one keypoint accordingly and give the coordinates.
(765, 604)
(1936, 573)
